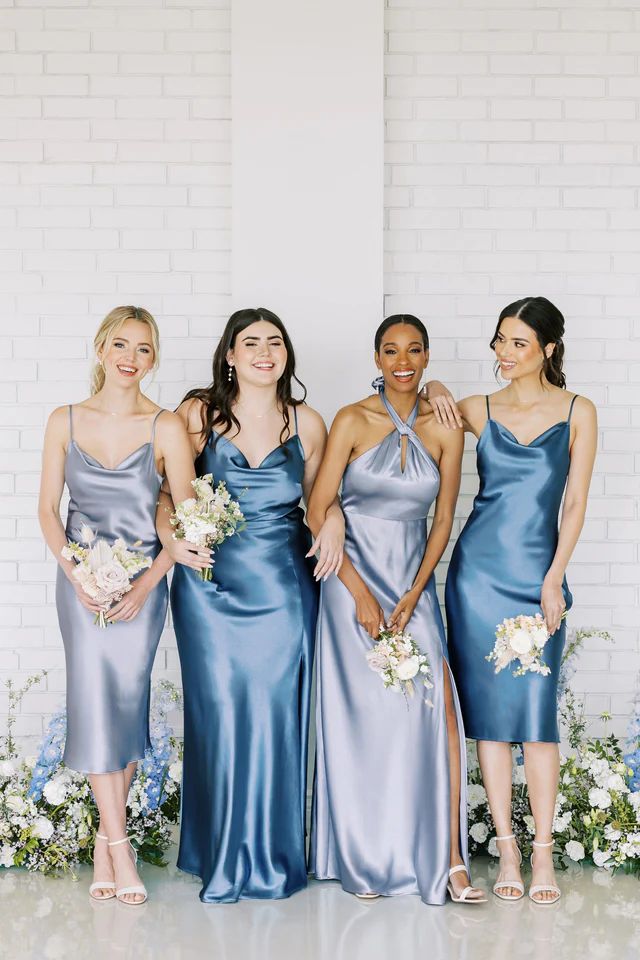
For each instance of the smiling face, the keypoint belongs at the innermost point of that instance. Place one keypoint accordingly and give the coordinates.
(402, 357)
(518, 350)
(259, 355)
(129, 355)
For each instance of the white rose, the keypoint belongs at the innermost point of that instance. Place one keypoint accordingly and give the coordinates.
(55, 791)
(7, 768)
(479, 832)
(476, 794)
(175, 771)
(540, 636)
(15, 803)
(520, 642)
(599, 798)
(7, 854)
(42, 828)
(600, 857)
(562, 821)
(615, 782)
(408, 668)
(112, 577)
(574, 850)
(493, 848)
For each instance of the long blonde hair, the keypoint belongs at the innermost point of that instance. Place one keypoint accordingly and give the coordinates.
(108, 329)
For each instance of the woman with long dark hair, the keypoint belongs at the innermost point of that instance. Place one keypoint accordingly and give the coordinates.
(534, 441)
(246, 637)
(390, 800)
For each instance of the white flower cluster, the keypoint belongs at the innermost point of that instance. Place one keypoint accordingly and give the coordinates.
(397, 659)
(207, 519)
(104, 571)
(521, 638)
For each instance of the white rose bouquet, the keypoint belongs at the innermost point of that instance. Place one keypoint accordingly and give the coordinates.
(104, 571)
(521, 638)
(398, 661)
(207, 519)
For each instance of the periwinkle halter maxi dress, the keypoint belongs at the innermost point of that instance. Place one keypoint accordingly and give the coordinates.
(381, 803)
(246, 647)
(109, 671)
(496, 571)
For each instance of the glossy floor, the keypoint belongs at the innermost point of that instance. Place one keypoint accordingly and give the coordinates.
(46, 919)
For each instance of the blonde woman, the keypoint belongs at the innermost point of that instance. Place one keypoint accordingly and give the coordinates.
(112, 450)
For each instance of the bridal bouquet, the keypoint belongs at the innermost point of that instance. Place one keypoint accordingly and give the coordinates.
(396, 658)
(521, 638)
(104, 571)
(208, 518)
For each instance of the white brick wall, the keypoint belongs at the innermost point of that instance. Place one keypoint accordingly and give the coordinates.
(512, 141)
(512, 167)
(114, 188)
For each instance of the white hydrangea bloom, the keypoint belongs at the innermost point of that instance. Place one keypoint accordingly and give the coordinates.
(574, 850)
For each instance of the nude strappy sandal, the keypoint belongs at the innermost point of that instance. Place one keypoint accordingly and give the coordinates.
(464, 896)
(544, 887)
(102, 884)
(138, 888)
(516, 884)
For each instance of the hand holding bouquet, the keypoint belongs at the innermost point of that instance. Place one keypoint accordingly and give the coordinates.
(207, 519)
(521, 638)
(104, 571)
(397, 659)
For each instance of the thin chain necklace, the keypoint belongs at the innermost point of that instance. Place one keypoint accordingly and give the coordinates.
(258, 416)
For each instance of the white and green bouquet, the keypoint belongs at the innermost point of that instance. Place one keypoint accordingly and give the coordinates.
(48, 817)
(103, 570)
(207, 519)
(397, 659)
(522, 639)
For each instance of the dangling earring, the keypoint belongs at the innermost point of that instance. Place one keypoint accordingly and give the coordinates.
(230, 374)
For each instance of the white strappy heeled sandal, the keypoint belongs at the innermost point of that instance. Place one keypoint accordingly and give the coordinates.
(515, 884)
(138, 888)
(464, 896)
(544, 887)
(102, 884)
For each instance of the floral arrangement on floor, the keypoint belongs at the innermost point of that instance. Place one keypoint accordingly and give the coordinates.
(47, 814)
(597, 815)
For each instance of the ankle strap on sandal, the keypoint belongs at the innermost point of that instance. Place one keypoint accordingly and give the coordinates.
(101, 836)
(115, 843)
(509, 836)
(536, 843)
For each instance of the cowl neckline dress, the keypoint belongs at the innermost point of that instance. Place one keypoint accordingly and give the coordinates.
(246, 642)
(381, 802)
(497, 568)
(108, 671)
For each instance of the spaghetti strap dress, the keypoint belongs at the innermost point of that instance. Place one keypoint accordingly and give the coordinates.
(109, 670)
(381, 801)
(496, 571)
(246, 642)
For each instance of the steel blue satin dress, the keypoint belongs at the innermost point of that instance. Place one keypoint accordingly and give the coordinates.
(381, 801)
(246, 647)
(496, 571)
(109, 671)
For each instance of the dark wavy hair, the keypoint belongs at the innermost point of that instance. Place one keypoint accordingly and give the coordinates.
(217, 399)
(547, 323)
(407, 318)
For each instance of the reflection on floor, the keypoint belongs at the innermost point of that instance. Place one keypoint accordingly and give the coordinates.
(46, 919)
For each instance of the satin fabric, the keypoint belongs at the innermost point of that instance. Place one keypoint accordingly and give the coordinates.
(381, 803)
(109, 671)
(496, 571)
(246, 647)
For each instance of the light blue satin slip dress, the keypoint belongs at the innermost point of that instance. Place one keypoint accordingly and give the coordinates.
(496, 571)
(381, 802)
(109, 671)
(246, 648)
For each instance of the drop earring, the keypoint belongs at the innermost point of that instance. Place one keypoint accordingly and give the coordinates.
(230, 373)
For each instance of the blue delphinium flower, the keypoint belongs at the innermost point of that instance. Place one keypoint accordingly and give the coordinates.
(50, 754)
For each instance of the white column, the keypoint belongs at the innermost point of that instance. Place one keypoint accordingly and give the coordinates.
(308, 137)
